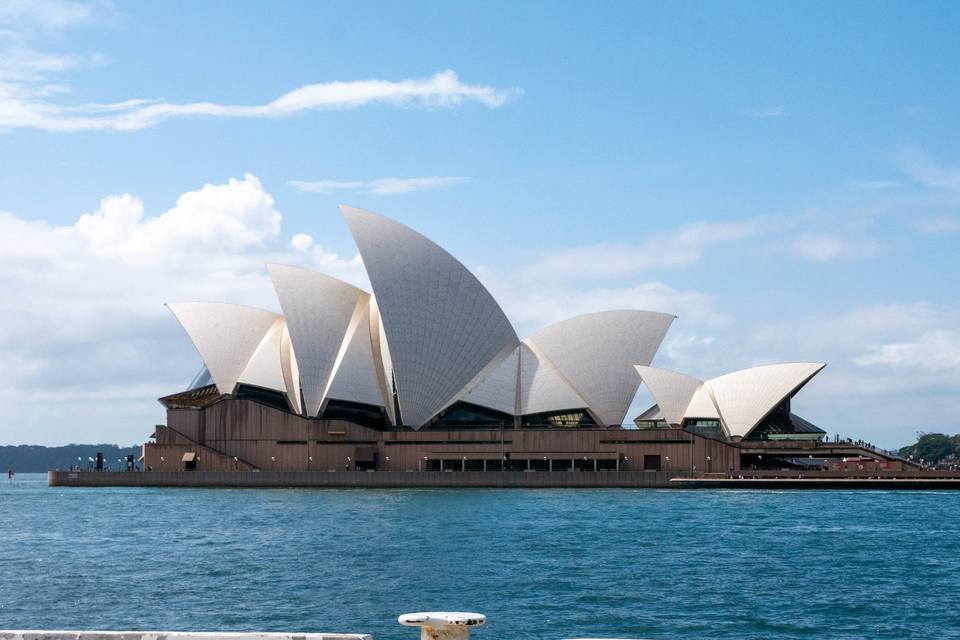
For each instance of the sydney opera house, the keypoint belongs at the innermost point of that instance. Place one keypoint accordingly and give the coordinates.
(425, 373)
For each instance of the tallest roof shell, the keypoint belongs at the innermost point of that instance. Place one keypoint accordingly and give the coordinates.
(441, 324)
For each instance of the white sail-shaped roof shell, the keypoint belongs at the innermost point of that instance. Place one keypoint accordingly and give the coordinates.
(291, 372)
(442, 326)
(542, 387)
(225, 335)
(496, 388)
(318, 310)
(672, 391)
(596, 353)
(739, 400)
(746, 397)
(355, 376)
(383, 364)
(702, 405)
(265, 368)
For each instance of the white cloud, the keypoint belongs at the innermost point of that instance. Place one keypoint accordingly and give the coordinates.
(936, 350)
(301, 242)
(28, 16)
(380, 186)
(939, 224)
(442, 90)
(824, 247)
(773, 111)
(326, 187)
(921, 168)
(27, 95)
(679, 248)
(87, 299)
(388, 186)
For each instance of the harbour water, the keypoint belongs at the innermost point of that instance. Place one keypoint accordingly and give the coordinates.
(540, 564)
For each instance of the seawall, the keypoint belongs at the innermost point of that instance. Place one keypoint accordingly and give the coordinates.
(479, 479)
(360, 479)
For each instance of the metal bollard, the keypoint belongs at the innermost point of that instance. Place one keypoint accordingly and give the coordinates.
(443, 625)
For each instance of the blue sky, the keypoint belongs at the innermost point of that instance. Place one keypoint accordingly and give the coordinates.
(783, 177)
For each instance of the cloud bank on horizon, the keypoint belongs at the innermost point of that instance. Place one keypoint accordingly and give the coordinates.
(91, 330)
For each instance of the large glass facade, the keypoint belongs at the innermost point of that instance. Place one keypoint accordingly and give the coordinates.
(568, 418)
(358, 413)
(465, 415)
(269, 397)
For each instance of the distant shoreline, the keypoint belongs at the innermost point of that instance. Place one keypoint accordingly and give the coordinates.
(32, 458)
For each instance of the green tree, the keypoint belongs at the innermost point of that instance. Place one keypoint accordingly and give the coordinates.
(932, 447)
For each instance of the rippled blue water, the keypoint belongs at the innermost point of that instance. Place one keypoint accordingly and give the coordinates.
(540, 564)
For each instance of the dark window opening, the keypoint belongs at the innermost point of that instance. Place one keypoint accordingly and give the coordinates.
(369, 464)
(780, 424)
(269, 397)
(540, 464)
(568, 418)
(651, 463)
(583, 464)
(514, 465)
(366, 415)
(463, 414)
(708, 428)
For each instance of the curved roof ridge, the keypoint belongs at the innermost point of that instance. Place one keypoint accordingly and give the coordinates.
(340, 281)
(769, 364)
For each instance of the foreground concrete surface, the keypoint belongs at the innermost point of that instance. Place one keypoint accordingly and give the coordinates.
(173, 635)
